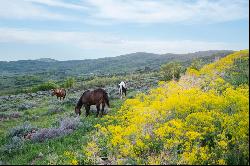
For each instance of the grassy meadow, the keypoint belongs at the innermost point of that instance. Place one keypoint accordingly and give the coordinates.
(194, 114)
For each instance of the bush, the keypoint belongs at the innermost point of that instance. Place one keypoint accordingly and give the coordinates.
(22, 130)
(72, 101)
(4, 115)
(26, 106)
(239, 73)
(48, 133)
(45, 86)
(55, 110)
(131, 94)
(16, 143)
(16, 137)
(31, 117)
(69, 82)
(196, 64)
(70, 123)
(171, 70)
(66, 126)
(101, 82)
(6, 107)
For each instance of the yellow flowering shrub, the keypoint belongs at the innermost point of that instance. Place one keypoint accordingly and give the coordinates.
(71, 157)
(201, 119)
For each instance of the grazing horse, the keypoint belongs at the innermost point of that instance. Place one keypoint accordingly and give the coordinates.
(122, 89)
(95, 97)
(59, 93)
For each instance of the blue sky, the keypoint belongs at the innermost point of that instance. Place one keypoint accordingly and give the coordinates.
(84, 29)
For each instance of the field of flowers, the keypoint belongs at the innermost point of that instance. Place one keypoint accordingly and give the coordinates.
(201, 119)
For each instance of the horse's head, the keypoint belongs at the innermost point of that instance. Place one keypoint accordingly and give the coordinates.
(52, 92)
(55, 91)
(77, 111)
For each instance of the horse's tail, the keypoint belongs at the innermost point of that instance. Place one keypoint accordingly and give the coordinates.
(106, 98)
(65, 92)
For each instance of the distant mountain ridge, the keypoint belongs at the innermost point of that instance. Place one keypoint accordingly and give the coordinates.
(122, 63)
(46, 60)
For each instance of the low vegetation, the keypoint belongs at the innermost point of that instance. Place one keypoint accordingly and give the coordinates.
(199, 114)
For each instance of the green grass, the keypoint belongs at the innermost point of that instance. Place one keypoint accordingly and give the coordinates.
(53, 149)
(57, 146)
(6, 125)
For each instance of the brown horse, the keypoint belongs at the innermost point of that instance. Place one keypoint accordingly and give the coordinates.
(95, 97)
(59, 93)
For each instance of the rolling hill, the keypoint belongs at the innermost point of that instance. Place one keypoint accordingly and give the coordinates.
(18, 75)
(119, 64)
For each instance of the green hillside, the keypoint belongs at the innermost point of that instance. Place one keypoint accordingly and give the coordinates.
(16, 76)
(123, 63)
(203, 118)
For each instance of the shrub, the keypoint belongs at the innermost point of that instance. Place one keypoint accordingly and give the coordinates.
(6, 107)
(55, 110)
(239, 73)
(4, 115)
(196, 64)
(171, 70)
(131, 94)
(15, 144)
(22, 130)
(44, 86)
(70, 123)
(31, 117)
(69, 82)
(26, 106)
(101, 82)
(49, 133)
(66, 126)
(71, 101)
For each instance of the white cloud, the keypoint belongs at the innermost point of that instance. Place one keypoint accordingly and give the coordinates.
(58, 3)
(108, 43)
(161, 11)
(128, 11)
(16, 9)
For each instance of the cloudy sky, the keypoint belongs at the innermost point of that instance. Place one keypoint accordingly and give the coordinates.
(80, 29)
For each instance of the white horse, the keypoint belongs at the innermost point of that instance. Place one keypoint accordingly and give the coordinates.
(122, 89)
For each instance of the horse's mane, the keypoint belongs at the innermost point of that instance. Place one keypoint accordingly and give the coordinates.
(79, 103)
(85, 92)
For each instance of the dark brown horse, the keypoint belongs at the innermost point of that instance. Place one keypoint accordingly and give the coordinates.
(59, 93)
(95, 97)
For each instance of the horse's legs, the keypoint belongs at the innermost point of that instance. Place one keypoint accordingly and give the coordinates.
(87, 108)
(103, 105)
(120, 92)
(98, 109)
